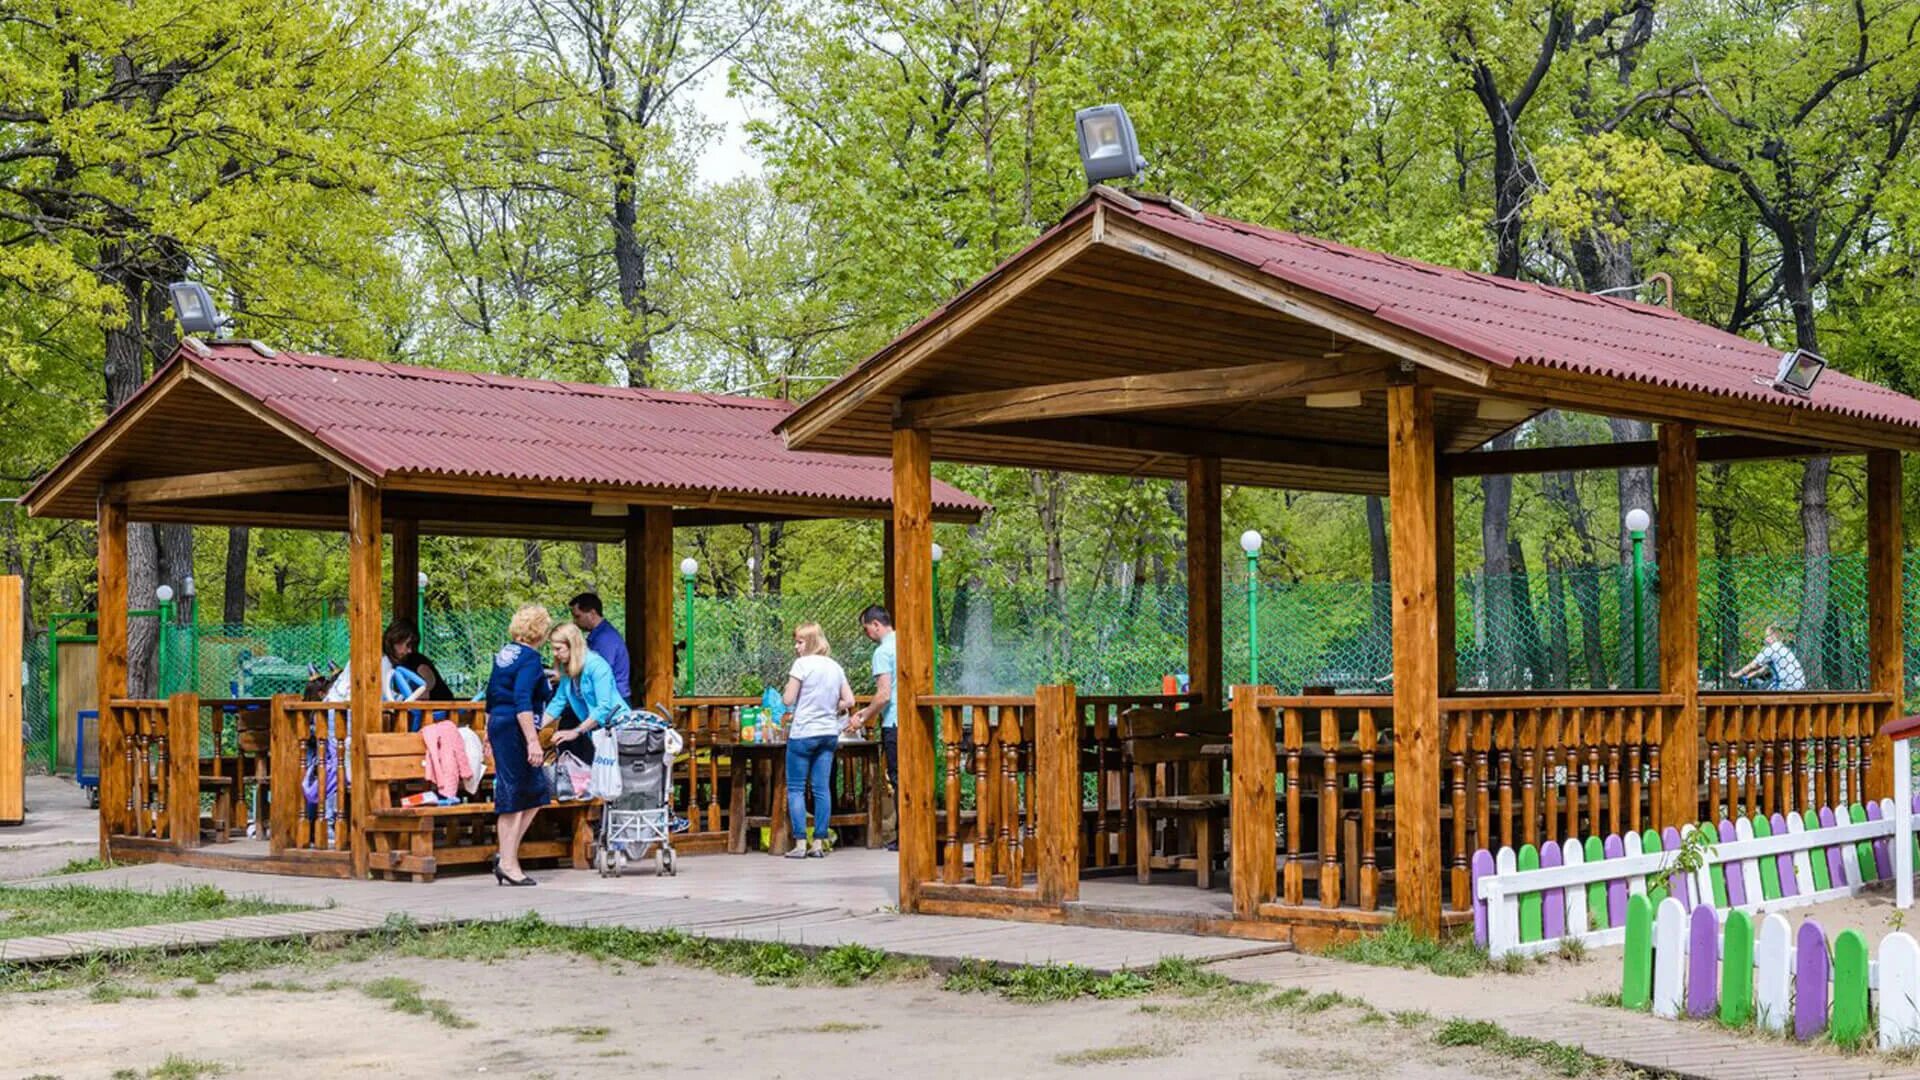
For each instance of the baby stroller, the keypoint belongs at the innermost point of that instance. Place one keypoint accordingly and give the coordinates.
(639, 820)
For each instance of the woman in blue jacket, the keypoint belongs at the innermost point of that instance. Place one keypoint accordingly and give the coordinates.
(587, 689)
(516, 694)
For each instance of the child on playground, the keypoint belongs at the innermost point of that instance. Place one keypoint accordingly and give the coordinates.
(819, 695)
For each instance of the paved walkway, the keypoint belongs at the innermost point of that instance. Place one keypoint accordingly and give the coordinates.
(848, 900)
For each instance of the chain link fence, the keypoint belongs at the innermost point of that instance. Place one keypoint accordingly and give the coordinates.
(1564, 628)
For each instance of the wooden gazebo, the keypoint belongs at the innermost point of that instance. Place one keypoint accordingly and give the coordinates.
(236, 433)
(1138, 336)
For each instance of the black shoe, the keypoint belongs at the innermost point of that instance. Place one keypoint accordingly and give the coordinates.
(893, 845)
(501, 877)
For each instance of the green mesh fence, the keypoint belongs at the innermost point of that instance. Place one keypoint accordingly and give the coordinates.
(1561, 628)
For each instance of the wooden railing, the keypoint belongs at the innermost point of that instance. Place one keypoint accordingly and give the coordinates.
(987, 773)
(1106, 778)
(149, 771)
(311, 749)
(1527, 770)
(1778, 753)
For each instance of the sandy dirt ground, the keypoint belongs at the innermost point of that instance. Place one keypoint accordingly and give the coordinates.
(562, 1017)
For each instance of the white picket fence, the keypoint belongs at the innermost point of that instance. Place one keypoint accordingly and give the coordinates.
(1501, 891)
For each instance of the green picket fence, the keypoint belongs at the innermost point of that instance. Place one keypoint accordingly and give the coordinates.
(1563, 628)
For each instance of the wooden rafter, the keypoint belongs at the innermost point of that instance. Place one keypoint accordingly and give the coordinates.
(269, 479)
(1192, 442)
(1140, 393)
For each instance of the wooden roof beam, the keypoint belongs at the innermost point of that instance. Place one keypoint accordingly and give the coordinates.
(1193, 442)
(1619, 455)
(1140, 393)
(265, 480)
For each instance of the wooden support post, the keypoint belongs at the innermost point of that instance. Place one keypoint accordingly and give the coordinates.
(1444, 576)
(1205, 667)
(913, 628)
(13, 743)
(886, 567)
(1056, 791)
(112, 668)
(183, 770)
(1886, 648)
(1254, 842)
(363, 652)
(1677, 541)
(1416, 654)
(655, 686)
(406, 573)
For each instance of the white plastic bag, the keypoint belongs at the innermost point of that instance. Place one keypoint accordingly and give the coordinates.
(606, 765)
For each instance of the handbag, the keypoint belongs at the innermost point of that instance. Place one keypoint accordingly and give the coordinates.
(606, 765)
(569, 777)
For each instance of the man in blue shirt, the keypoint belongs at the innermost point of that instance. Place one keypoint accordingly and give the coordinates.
(879, 629)
(603, 639)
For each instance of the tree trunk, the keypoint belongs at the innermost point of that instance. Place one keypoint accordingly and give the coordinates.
(534, 557)
(590, 563)
(1382, 569)
(1816, 527)
(234, 594)
(1558, 645)
(1502, 654)
(1726, 607)
(1049, 493)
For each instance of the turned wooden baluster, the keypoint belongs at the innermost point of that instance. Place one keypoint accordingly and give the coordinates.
(983, 801)
(1368, 740)
(1293, 876)
(950, 736)
(1529, 799)
(1457, 728)
(1483, 779)
(1330, 808)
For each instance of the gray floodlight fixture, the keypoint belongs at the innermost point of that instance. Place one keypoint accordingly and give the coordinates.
(1799, 370)
(194, 307)
(1108, 148)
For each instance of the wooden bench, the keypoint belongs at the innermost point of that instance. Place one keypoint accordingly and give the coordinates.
(1166, 749)
(418, 841)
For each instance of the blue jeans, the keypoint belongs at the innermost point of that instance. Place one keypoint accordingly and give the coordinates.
(810, 761)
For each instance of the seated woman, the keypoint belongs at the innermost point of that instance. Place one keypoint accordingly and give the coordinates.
(586, 696)
(401, 647)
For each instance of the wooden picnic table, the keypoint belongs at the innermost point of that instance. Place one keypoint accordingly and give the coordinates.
(763, 768)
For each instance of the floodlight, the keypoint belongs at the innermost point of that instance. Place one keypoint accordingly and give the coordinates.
(1799, 370)
(186, 587)
(1250, 541)
(1108, 148)
(194, 308)
(1637, 520)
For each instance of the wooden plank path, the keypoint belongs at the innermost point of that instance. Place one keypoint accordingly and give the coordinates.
(1639, 1040)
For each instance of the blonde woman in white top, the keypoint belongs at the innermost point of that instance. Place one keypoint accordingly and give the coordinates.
(819, 696)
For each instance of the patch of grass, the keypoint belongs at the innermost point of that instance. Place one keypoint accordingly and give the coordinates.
(1412, 1018)
(831, 1027)
(1321, 1002)
(404, 996)
(1180, 975)
(85, 866)
(846, 965)
(187, 992)
(1399, 946)
(184, 1068)
(1288, 998)
(1491, 1037)
(1065, 982)
(109, 993)
(1512, 964)
(1109, 1055)
(1573, 950)
(65, 909)
(584, 1034)
(1609, 999)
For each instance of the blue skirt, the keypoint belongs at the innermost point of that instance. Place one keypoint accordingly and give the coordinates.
(517, 785)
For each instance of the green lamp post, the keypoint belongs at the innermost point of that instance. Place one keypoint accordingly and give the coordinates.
(1250, 542)
(1637, 528)
(164, 594)
(688, 568)
(938, 552)
(420, 608)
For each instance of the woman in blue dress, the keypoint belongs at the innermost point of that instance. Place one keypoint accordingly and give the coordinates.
(516, 696)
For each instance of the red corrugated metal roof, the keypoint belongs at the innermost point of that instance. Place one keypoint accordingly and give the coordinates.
(1500, 321)
(390, 418)
(1506, 322)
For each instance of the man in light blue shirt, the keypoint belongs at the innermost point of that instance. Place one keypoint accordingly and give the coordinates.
(879, 629)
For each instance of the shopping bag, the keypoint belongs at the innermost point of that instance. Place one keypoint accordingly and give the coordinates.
(606, 765)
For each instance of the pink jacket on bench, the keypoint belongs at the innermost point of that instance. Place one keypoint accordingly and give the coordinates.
(446, 761)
